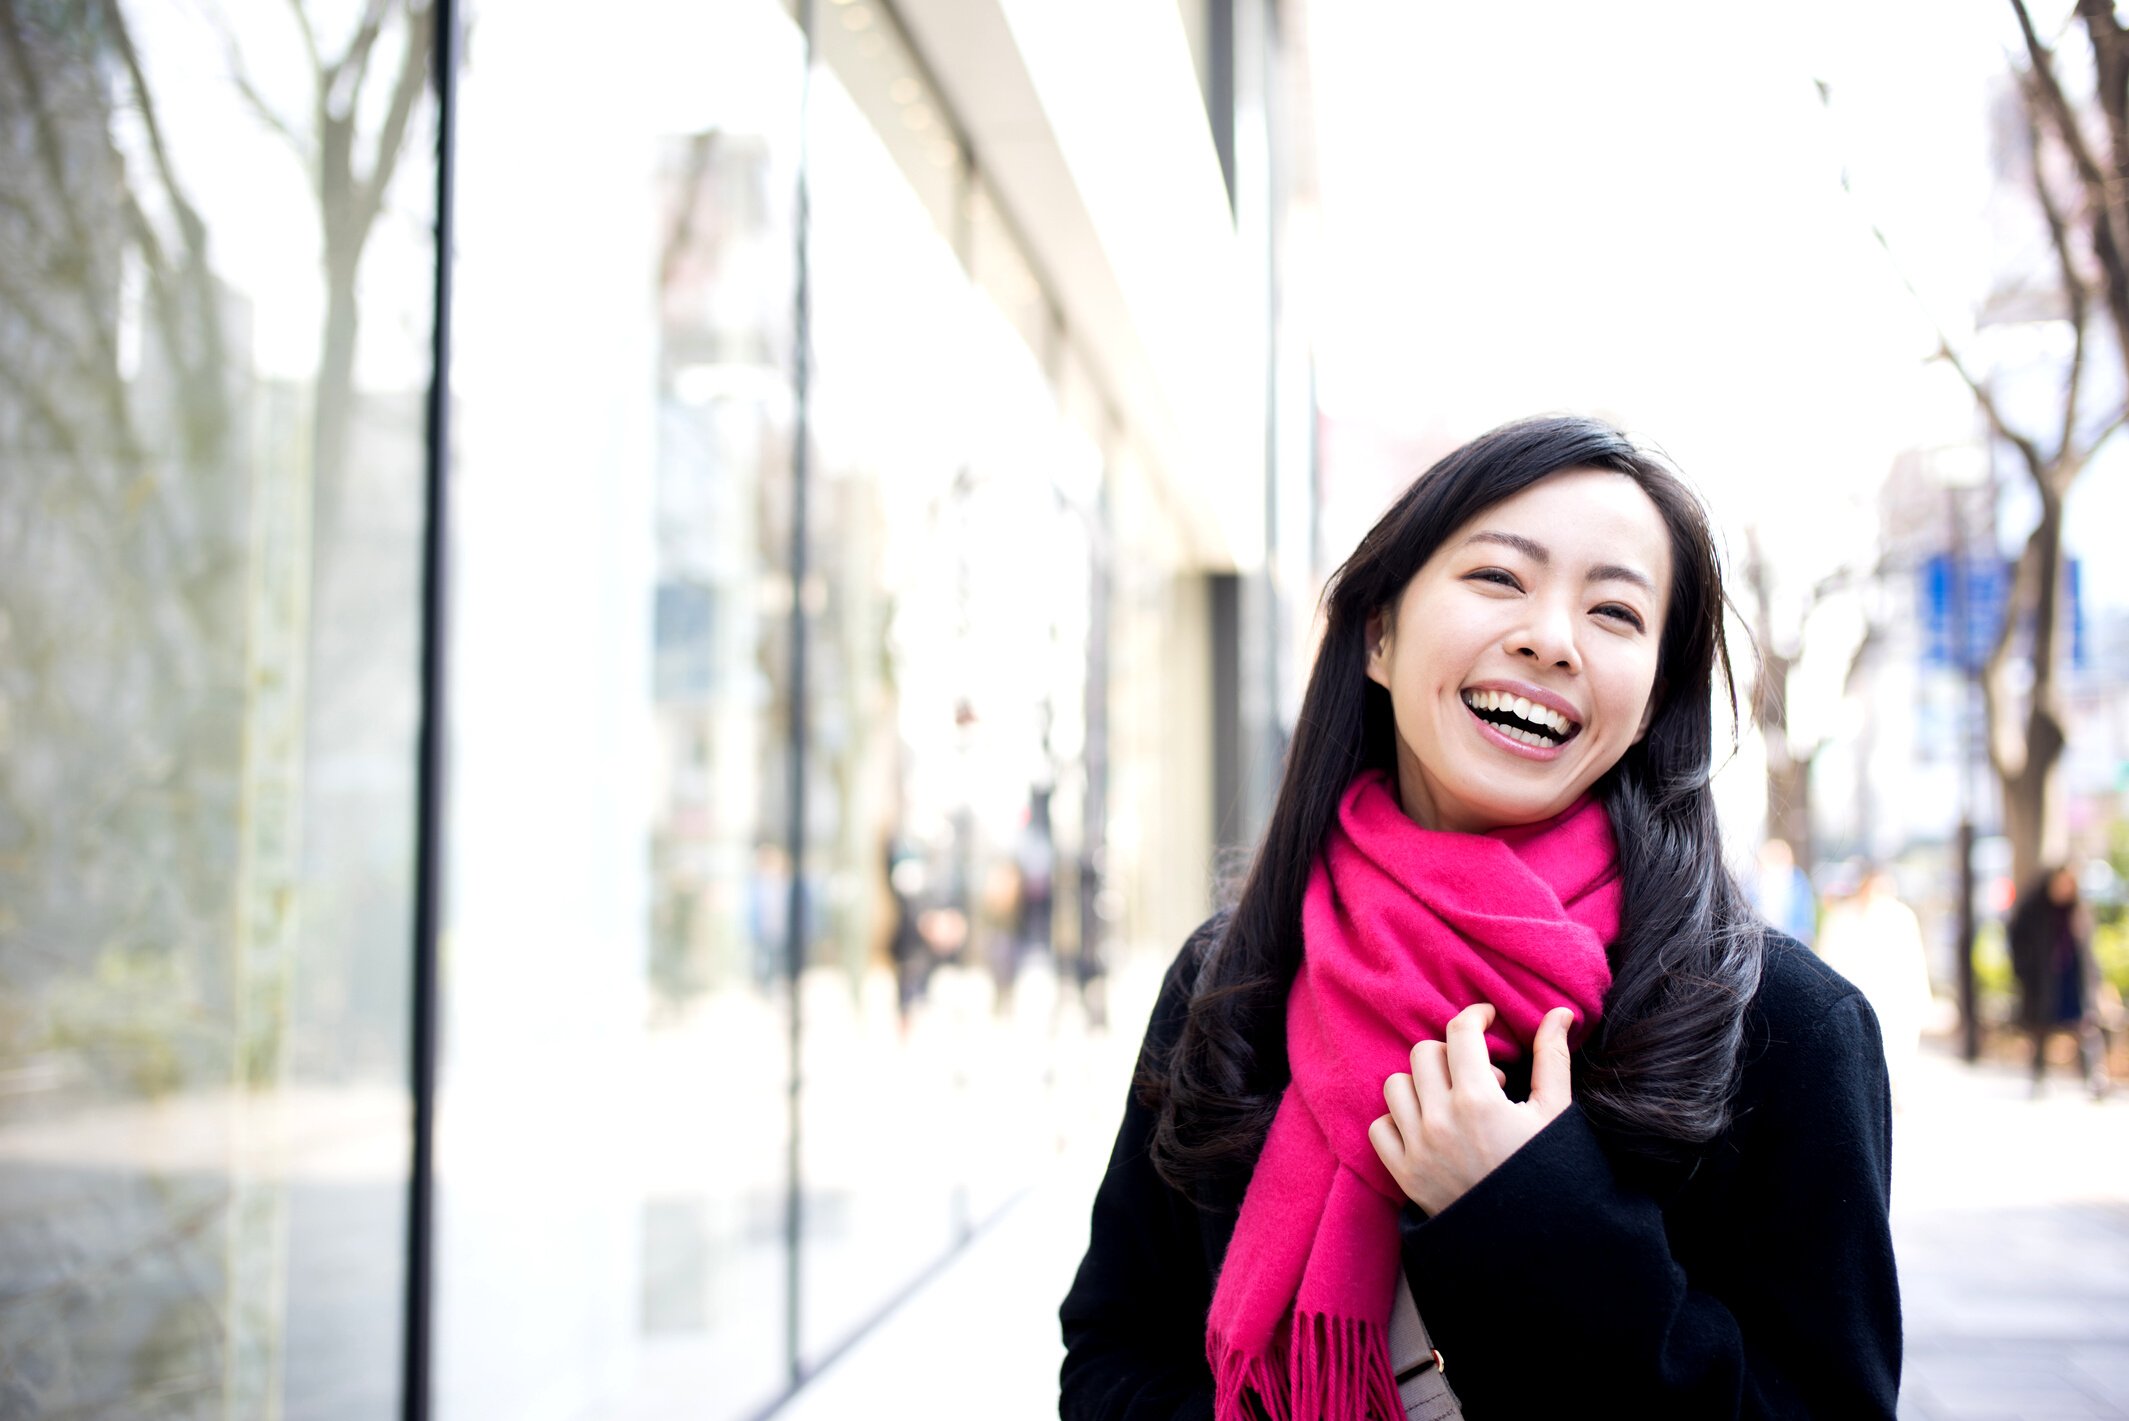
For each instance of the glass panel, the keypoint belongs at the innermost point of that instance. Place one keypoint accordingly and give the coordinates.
(946, 724)
(214, 325)
(882, 1162)
(613, 1110)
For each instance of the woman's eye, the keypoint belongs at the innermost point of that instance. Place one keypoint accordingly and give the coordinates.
(1494, 574)
(1624, 614)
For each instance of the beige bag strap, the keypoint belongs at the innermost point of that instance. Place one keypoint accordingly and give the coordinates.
(1422, 1384)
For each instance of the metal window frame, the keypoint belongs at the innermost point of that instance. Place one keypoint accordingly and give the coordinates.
(417, 1376)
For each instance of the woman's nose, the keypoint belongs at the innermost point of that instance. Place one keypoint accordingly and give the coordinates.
(1548, 637)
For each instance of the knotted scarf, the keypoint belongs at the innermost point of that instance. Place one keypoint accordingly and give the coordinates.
(1402, 928)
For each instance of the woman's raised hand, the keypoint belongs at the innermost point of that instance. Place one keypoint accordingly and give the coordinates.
(1450, 1124)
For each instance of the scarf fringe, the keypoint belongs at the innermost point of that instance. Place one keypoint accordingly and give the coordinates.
(1336, 1369)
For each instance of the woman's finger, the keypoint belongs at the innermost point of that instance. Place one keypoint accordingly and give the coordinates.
(1470, 1065)
(1551, 1068)
(1389, 1145)
(1403, 1100)
(1430, 1075)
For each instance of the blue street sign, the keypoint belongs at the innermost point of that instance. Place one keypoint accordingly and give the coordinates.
(1988, 583)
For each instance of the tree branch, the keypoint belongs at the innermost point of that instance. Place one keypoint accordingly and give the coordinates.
(407, 90)
(194, 230)
(205, 414)
(54, 164)
(343, 80)
(2006, 746)
(2027, 450)
(310, 41)
(2074, 287)
(2071, 469)
(2104, 197)
(253, 99)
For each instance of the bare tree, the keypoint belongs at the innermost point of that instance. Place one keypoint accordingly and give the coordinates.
(2075, 153)
(1788, 764)
(1790, 760)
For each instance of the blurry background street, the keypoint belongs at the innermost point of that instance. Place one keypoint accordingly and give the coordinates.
(630, 634)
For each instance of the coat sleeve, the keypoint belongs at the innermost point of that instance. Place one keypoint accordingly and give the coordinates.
(1134, 1321)
(1553, 1287)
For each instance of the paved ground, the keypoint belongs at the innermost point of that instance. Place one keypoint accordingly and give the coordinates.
(2012, 1218)
(2012, 1221)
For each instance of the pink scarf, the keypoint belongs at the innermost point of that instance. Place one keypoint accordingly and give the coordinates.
(1402, 928)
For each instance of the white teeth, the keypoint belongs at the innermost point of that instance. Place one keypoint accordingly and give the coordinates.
(1521, 708)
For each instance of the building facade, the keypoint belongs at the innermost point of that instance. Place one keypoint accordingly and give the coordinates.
(562, 810)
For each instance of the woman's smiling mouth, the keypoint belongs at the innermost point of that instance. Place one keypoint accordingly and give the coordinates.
(1520, 722)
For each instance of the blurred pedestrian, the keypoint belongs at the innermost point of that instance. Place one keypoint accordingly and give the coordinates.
(1036, 855)
(1495, 826)
(907, 880)
(2051, 951)
(1875, 941)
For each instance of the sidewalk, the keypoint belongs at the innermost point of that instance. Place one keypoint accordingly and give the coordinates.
(979, 1342)
(2011, 1218)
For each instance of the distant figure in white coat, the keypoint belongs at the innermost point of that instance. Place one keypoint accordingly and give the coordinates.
(1875, 941)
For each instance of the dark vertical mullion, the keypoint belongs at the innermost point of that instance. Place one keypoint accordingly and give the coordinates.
(1264, 33)
(795, 844)
(1220, 87)
(429, 792)
(1224, 622)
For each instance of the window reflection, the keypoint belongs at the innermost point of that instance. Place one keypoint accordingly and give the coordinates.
(947, 725)
(613, 1113)
(213, 347)
(214, 315)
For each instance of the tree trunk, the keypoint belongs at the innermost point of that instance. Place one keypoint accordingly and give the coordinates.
(1789, 804)
(1788, 776)
(333, 408)
(2027, 759)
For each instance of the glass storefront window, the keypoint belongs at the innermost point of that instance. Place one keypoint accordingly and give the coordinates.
(613, 1101)
(948, 715)
(672, 1173)
(214, 349)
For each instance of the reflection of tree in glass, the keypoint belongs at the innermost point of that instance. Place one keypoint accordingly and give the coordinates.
(157, 523)
(350, 178)
(122, 514)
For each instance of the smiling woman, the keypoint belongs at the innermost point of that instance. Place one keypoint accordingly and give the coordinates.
(1491, 1032)
(1532, 663)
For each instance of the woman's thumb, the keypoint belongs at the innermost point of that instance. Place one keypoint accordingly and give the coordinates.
(1551, 1083)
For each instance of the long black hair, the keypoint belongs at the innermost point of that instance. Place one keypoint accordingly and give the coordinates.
(1659, 1072)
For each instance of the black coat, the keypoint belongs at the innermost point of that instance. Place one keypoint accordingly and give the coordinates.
(1576, 1279)
(2051, 954)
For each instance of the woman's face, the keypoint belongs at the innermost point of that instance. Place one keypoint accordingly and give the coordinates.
(1521, 659)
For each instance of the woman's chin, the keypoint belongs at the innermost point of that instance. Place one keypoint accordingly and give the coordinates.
(1505, 807)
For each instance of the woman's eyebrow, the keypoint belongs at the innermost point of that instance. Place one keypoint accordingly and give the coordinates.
(1613, 572)
(1538, 553)
(1528, 547)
